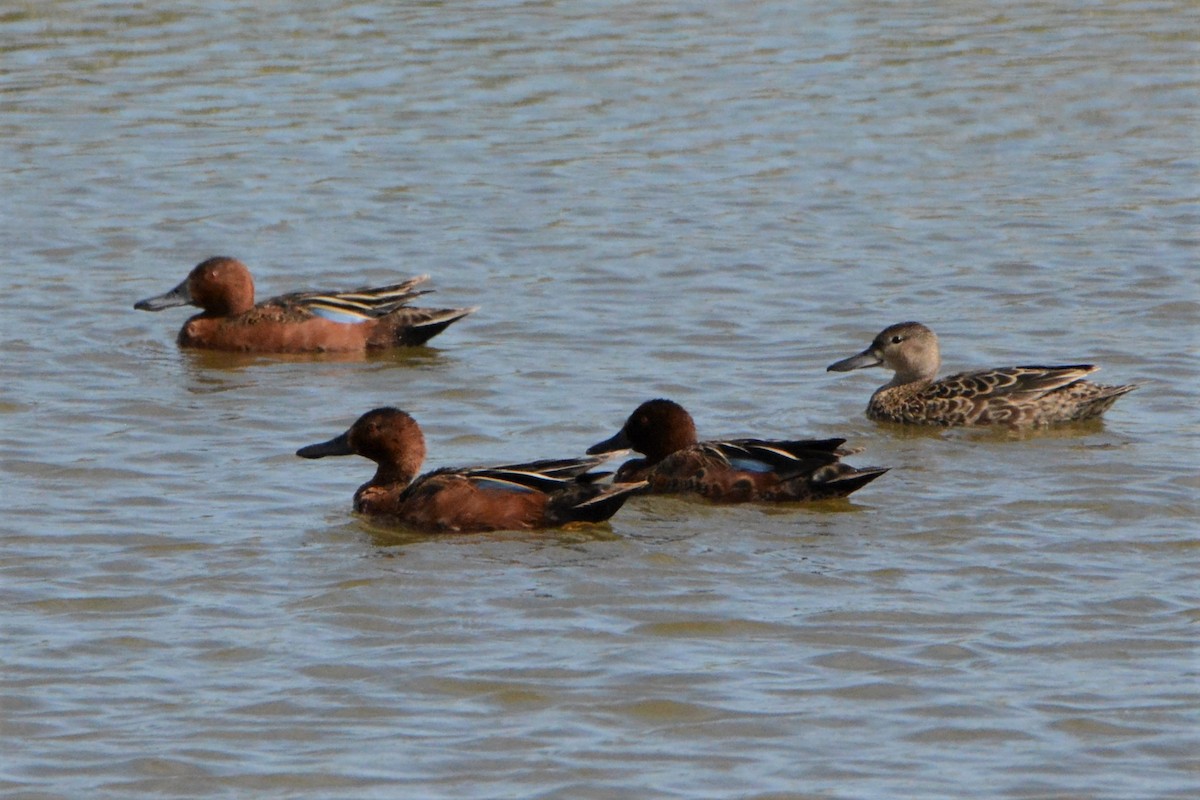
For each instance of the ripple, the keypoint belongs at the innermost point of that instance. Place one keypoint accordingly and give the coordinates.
(709, 205)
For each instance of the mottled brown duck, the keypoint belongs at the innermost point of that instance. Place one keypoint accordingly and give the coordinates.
(1017, 397)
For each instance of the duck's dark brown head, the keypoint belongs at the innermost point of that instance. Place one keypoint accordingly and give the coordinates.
(387, 436)
(222, 286)
(657, 428)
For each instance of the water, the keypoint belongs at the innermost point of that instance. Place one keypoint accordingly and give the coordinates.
(646, 199)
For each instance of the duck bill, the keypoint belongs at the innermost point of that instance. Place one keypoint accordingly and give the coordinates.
(337, 446)
(179, 296)
(618, 442)
(867, 358)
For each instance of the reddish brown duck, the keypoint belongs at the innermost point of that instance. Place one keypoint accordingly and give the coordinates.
(732, 471)
(302, 322)
(539, 494)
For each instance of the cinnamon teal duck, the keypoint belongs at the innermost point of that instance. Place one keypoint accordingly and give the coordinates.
(538, 494)
(1017, 397)
(300, 322)
(732, 471)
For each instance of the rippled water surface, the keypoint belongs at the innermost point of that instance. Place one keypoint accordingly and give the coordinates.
(704, 201)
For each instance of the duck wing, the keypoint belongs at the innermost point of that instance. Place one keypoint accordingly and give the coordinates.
(785, 458)
(1012, 383)
(546, 475)
(356, 305)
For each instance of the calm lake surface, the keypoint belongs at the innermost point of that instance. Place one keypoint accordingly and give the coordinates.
(709, 202)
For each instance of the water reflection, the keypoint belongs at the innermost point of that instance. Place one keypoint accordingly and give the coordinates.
(201, 361)
(694, 203)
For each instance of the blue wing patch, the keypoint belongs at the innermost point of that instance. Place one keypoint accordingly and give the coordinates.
(750, 464)
(335, 315)
(493, 484)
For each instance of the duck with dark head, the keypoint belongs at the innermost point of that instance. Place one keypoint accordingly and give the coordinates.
(729, 471)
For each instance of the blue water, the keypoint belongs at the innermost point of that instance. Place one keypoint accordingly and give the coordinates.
(646, 200)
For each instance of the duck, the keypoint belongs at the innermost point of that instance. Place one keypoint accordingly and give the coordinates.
(728, 471)
(549, 493)
(361, 320)
(1015, 397)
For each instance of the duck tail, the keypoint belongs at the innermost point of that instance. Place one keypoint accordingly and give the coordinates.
(591, 502)
(416, 326)
(1103, 399)
(851, 479)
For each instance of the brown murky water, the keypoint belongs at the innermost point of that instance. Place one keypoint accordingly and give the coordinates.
(647, 199)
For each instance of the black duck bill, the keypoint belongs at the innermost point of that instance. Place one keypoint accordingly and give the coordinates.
(179, 296)
(337, 446)
(867, 358)
(618, 441)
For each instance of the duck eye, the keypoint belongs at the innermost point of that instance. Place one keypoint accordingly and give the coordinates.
(897, 339)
